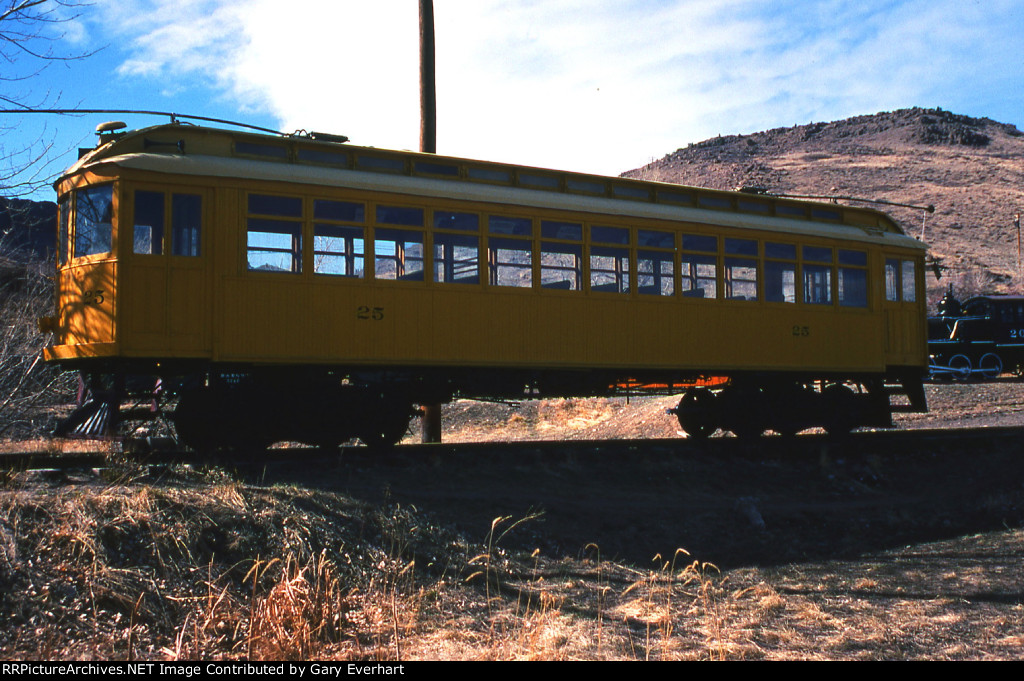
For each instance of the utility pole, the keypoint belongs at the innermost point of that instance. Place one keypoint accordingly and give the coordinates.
(431, 431)
(428, 91)
(1016, 223)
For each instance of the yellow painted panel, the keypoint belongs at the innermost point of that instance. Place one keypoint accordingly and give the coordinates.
(57, 352)
(289, 319)
(188, 306)
(144, 313)
(87, 303)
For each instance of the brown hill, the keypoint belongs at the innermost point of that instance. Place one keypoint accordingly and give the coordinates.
(970, 169)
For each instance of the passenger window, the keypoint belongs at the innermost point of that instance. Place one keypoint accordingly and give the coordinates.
(655, 269)
(510, 256)
(64, 220)
(609, 265)
(462, 222)
(741, 269)
(892, 280)
(609, 235)
(274, 245)
(853, 278)
(780, 281)
(560, 265)
(94, 220)
(398, 255)
(655, 273)
(560, 262)
(609, 269)
(456, 258)
(512, 226)
(338, 249)
(909, 281)
(651, 239)
(817, 275)
(699, 276)
(780, 273)
(284, 206)
(740, 279)
(699, 271)
(148, 228)
(400, 215)
(340, 211)
(567, 231)
(186, 224)
(511, 262)
(700, 243)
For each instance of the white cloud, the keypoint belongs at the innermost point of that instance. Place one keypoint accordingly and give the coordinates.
(595, 86)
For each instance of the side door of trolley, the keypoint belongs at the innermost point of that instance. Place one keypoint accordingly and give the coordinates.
(165, 282)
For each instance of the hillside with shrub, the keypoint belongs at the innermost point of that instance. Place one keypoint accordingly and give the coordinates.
(970, 169)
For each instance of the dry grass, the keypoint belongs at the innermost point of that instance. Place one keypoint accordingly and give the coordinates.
(563, 419)
(205, 568)
(196, 565)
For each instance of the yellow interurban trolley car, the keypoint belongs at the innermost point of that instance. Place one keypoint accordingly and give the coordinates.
(302, 288)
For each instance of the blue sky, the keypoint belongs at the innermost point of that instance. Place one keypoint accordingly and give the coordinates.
(591, 85)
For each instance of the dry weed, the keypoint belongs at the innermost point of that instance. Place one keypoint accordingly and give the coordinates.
(301, 614)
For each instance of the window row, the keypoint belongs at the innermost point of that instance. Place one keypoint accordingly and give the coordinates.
(614, 259)
(91, 211)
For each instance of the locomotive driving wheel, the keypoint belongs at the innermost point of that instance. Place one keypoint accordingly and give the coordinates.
(960, 366)
(990, 365)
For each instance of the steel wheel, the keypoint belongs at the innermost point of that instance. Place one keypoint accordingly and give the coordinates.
(961, 366)
(192, 422)
(743, 411)
(696, 413)
(990, 365)
(840, 418)
(386, 432)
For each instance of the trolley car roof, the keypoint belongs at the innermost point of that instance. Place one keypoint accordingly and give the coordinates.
(210, 152)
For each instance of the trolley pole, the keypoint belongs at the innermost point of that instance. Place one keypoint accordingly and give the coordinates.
(431, 427)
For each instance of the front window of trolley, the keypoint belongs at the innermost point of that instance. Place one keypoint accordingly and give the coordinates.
(94, 221)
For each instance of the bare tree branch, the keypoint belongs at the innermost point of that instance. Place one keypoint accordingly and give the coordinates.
(31, 39)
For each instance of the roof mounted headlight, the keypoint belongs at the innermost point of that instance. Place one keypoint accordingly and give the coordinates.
(109, 131)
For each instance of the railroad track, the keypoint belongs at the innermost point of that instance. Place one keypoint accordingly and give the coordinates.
(878, 442)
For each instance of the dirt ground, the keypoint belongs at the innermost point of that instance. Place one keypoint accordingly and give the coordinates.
(651, 553)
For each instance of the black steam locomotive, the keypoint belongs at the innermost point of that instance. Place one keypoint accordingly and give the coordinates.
(980, 338)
